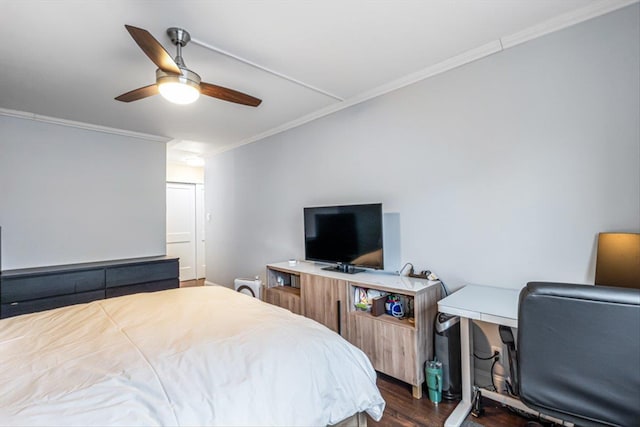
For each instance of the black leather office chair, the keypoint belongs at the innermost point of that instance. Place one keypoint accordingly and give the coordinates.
(579, 353)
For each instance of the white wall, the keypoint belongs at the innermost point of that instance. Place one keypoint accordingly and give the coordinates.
(503, 171)
(72, 195)
(184, 173)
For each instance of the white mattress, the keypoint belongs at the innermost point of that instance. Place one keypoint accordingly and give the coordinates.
(190, 356)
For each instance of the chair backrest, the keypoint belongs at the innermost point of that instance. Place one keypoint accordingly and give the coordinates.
(579, 352)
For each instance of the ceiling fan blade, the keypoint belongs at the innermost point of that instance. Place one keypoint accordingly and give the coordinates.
(136, 94)
(153, 49)
(228, 94)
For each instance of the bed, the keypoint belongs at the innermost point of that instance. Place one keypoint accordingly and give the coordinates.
(190, 356)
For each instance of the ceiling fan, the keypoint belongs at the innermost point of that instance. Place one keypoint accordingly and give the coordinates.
(174, 80)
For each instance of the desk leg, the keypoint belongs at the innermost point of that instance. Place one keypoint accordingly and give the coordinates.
(459, 414)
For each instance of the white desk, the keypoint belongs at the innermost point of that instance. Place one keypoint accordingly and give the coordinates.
(489, 304)
(486, 303)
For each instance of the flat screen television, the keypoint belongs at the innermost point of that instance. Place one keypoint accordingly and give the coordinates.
(348, 236)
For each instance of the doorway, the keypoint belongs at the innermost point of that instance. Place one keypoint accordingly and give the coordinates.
(185, 228)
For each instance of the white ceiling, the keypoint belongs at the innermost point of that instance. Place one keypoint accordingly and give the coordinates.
(68, 59)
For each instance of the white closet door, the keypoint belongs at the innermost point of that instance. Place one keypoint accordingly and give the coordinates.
(200, 255)
(181, 227)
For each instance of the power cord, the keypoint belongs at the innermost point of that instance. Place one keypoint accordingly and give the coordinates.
(442, 284)
(493, 383)
(405, 266)
(444, 288)
(495, 357)
(476, 409)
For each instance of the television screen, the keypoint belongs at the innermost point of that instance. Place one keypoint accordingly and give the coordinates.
(349, 235)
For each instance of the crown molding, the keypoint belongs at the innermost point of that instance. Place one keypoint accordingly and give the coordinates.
(80, 125)
(563, 21)
(439, 68)
(591, 11)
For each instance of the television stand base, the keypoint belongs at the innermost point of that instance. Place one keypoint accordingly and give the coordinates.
(344, 268)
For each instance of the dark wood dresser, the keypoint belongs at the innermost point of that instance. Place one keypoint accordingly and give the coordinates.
(29, 290)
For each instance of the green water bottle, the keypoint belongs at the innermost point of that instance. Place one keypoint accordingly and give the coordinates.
(434, 380)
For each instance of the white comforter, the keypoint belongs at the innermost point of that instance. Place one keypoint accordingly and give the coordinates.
(191, 356)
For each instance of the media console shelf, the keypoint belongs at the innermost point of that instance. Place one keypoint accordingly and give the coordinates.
(283, 289)
(396, 347)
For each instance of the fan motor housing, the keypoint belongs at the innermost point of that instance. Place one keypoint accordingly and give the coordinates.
(187, 77)
(179, 36)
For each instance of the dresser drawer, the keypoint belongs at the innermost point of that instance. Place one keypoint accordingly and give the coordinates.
(160, 285)
(17, 289)
(33, 289)
(16, 308)
(141, 273)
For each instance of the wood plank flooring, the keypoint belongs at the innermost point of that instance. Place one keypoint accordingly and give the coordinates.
(402, 410)
(190, 283)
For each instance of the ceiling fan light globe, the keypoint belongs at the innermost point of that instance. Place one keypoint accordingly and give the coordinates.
(178, 92)
(179, 88)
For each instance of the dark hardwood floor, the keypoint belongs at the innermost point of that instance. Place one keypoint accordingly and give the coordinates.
(190, 283)
(403, 410)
